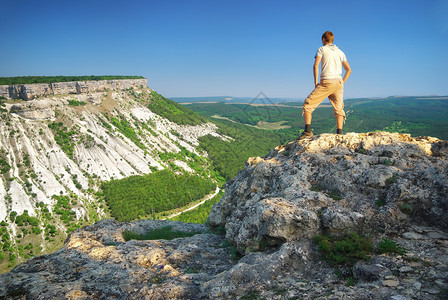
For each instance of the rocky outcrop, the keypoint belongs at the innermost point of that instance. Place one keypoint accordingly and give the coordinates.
(379, 184)
(35, 109)
(31, 91)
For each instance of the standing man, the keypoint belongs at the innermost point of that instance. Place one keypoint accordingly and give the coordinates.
(331, 83)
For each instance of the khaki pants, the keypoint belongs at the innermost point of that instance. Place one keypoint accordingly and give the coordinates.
(331, 88)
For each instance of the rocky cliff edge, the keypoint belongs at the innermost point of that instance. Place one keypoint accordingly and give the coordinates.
(35, 90)
(380, 185)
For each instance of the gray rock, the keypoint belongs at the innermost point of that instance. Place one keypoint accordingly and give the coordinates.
(338, 222)
(413, 236)
(390, 283)
(399, 297)
(370, 272)
(406, 269)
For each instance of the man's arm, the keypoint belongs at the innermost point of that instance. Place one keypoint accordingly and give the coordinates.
(347, 69)
(316, 70)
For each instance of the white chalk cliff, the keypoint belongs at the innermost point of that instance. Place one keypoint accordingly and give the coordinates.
(35, 167)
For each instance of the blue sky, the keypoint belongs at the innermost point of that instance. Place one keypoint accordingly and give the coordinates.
(236, 48)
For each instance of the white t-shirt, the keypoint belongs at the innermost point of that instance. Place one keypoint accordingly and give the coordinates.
(332, 58)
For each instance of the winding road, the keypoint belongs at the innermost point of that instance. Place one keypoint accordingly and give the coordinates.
(207, 197)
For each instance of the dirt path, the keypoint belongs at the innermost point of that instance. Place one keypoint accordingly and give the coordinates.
(207, 197)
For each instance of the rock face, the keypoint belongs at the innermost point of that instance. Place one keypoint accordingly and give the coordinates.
(35, 109)
(379, 184)
(333, 184)
(31, 91)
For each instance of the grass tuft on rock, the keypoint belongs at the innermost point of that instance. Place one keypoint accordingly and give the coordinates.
(390, 247)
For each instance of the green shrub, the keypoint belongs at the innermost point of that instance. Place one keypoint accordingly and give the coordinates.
(127, 130)
(389, 246)
(388, 162)
(12, 216)
(251, 295)
(346, 250)
(12, 257)
(4, 166)
(380, 202)
(25, 219)
(361, 150)
(76, 102)
(26, 160)
(316, 188)
(156, 279)
(407, 208)
(392, 179)
(63, 137)
(333, 193)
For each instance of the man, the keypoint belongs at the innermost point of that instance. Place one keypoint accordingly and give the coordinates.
(331, 83)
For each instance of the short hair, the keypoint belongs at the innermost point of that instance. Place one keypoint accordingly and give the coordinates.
(328, 36)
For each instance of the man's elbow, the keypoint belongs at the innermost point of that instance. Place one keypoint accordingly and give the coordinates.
(348, 70)
(346, 67)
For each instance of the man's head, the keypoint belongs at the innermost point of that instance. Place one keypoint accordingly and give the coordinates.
(327, 37)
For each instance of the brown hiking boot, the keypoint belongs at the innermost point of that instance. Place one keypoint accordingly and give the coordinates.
(306, 134)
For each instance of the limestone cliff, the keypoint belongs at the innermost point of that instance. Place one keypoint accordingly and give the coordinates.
(34, 90)
(66, 145)
(380, 185)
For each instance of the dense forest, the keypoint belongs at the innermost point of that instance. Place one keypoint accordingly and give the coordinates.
(52, 79)
(228, 157)
(143, 196)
